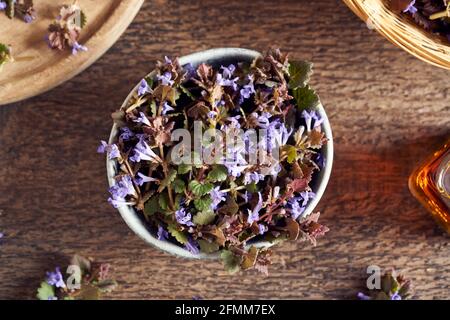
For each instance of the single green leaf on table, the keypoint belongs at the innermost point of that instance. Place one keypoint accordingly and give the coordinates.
(299, 73)
(200, 189)
(204, 217)
(305, 98)
(218, 173)
(177, 234)
(107, 285)
(45, 291)
(231, 262)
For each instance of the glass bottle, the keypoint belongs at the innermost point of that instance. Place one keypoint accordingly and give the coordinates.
(430, 184)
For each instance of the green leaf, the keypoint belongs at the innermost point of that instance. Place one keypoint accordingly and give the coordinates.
(305, 98)
(203, 203)
(204, 217)
(163, 201)
(218, 173)
(151, 206)
(107, 285)
(252, 187)
(291, 153)
(299, 73)
(184, 168)
(45, 291)
(187, 92)
(179, 185)
(167, 180)
(10, 10)
(177, 234)
(83, 19)
(200, 189)
(230, 261)
(208, 247)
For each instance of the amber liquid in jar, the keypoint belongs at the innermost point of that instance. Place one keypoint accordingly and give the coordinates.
(430, 184)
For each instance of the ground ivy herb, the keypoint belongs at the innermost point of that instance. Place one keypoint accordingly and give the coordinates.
(394, 286)
(226, 206)
(66, 29)
(5, 55)
(83, 279)
(23, 9)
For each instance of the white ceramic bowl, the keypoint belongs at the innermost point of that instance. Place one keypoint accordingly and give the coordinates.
(216, 57)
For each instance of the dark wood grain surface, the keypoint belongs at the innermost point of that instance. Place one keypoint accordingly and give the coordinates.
(388, 112)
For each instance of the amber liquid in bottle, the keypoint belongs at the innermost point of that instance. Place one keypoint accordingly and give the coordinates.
(430, 184)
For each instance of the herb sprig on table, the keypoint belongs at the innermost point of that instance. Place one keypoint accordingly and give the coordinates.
(84, 280)
(5, 55)
(24, 9)
(432, 15)
(223, 207)
(66, 29)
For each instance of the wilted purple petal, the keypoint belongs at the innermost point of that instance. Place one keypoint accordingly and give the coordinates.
(162, 233)
(55, 278)
(192, 246)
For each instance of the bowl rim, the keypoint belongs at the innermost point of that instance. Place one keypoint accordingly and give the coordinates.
(135, 222)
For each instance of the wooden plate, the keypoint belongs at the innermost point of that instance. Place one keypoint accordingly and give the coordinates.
(38, 68)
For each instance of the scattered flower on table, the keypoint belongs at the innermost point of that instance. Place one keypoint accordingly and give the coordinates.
(22, 9)
(83, 279)
(394, 286)
(65, 31)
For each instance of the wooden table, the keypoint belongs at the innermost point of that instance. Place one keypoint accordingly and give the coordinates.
(388, 112)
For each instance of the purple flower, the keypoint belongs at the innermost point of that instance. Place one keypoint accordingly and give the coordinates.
(247, 90)
(167, 60)
(320, 160)
(126, 133)
(217, 197)
(224, 79)
(78, 47)
(3, 5)
(263, 120)
(166, 79)
(306, 195)
(111, 149)
(142, 151)
(183, 217)
(262, 228)
(362, 296)
(141, 179)
(411, 8)
(55, 278)
(309, 117)
(192, 246)
(120, 190)
(396, 296)
(254, 214)
(162, 233)
(166, 108)
(283, 135)
(142, 119)
(250, 177)
(212, 114)
(190, 70)
(143, 88)
(28, 18)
